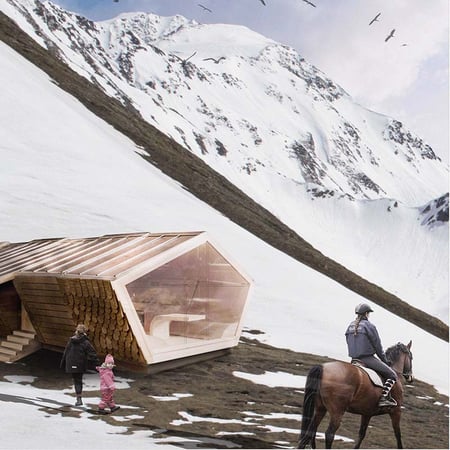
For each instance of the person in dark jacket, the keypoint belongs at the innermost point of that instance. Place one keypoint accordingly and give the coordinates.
(78, 355)
(364, 343)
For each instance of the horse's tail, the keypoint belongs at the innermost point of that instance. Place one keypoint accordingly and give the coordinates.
(311, 390)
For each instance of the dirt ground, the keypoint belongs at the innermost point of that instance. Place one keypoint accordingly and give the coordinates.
(217, 393)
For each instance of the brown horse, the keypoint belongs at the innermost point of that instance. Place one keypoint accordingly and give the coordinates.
(338, 387)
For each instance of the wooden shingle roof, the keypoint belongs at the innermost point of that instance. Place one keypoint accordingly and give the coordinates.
(105, 257)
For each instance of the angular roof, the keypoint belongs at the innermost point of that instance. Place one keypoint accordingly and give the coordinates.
(105, 257)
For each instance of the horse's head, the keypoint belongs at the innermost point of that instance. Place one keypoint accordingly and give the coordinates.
(400, 359)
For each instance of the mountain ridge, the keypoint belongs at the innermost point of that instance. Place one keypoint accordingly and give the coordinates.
(321, 137)
(262, 224)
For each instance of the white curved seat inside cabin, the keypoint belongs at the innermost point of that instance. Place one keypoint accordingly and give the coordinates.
(160, 325)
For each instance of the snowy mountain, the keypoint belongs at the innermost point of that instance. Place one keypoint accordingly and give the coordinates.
(353, 183)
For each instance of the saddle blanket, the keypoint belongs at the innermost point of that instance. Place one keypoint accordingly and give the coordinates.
(374, 377)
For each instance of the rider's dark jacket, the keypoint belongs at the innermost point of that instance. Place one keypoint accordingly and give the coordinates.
(366, 342)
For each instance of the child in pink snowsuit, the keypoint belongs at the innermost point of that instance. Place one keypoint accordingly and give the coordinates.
(107, 386)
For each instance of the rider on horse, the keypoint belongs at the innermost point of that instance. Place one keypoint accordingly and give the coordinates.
(363, 343)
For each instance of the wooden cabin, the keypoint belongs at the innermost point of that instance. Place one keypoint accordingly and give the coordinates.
(147, 298)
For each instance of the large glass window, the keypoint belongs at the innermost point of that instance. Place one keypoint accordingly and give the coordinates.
(197, 296)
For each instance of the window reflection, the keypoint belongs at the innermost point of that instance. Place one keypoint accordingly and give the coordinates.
(197, 296)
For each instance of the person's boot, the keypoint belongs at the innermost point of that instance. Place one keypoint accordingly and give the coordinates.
(386, 399)
(79, 401)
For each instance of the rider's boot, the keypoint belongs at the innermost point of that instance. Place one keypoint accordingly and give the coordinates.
(386, 399)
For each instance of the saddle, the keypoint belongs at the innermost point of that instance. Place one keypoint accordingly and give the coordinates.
(373, 376)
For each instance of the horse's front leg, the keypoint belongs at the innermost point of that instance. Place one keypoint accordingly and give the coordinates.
(395, 420)
(362, 430)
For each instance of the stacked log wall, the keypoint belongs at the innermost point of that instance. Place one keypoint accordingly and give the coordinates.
(56, 305)
(95, 304)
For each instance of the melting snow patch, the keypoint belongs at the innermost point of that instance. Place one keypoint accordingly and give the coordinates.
(283, 443)
(27, 379)
(126, 418)
(274, 379)
(188, 418)
(336, 438)
(169, 398)
(230, 433)
(273, 415)
(275, 429)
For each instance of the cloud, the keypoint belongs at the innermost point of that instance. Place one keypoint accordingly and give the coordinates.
(342, 44)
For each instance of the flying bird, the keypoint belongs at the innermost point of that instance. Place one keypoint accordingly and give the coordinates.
(263, 2)
(205, 8)
(187, 59)
(375, 19)
(184, 61)
(309, 3)
(217, 61)
(391, 34)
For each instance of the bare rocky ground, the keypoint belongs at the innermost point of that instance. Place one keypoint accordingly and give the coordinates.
(218, 394)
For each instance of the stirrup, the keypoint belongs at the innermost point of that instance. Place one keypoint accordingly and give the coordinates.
(387, 401)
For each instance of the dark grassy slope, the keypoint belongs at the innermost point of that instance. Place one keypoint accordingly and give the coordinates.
(203, 182)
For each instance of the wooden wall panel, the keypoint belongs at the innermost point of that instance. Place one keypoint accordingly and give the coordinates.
(47, 308)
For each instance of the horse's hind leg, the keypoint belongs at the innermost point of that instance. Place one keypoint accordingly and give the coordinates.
(362, 430)
(334, 424)
(395, 420)
(318, 416)
(310, 435)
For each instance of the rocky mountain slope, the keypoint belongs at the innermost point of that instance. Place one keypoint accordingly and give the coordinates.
(210, 87)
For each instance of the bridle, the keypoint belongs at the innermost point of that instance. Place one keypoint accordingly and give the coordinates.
(407, 373)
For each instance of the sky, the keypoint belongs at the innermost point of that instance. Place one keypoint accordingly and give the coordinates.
(405, 77)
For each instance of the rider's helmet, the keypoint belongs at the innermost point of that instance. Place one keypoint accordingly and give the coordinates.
(362, 308)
